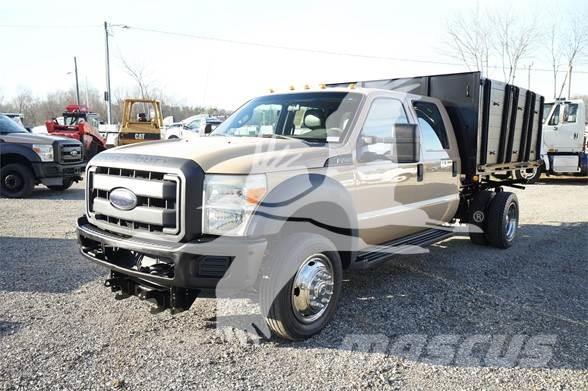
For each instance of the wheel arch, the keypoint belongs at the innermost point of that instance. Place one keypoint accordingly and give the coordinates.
(309, 202)
(12, 157)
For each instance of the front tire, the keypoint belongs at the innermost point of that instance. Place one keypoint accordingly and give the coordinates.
(16, 181)
(503, 219)
(300, 286)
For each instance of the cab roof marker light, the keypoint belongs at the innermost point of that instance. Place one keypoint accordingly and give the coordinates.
(292, 88)
(351, 86)
(322, 86)
(306, 87)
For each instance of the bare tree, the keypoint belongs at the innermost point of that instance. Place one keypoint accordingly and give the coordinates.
(555, 53)
(138, 75)
(574, 45)
(513, 41)
(470, 37)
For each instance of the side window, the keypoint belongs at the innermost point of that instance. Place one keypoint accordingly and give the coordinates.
(379, 128)
(432, 126)
(194, 124)
(554, 120)
(570, 113)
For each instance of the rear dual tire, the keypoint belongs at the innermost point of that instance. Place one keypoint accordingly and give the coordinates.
(496, 217)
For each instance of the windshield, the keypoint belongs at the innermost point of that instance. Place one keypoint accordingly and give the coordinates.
(313, 116)
(9, 126)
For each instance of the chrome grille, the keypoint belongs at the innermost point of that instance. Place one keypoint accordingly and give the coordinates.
(158, 201)
(70, 153)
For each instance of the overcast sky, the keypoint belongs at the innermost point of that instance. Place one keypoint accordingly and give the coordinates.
(40, 38)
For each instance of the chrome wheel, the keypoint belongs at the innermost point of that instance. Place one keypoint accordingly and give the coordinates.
(528, 173)
(512, 217)
(312, 289)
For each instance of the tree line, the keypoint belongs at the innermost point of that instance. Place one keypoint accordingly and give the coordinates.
(503, 41)
(36, 110)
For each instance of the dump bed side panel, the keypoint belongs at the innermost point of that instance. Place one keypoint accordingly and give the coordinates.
(509, 130)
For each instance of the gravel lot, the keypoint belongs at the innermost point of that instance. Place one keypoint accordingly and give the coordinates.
(61, 329)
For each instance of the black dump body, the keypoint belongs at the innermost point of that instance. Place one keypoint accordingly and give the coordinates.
(497, 125)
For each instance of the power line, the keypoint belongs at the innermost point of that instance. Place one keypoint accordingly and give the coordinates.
(315, 51)
(272, 46)
(48, 26)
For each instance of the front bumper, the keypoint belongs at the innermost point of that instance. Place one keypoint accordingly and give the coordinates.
(54, 174)
(227, 264)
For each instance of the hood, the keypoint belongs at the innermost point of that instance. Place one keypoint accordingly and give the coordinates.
(29, 138)
(236, 155)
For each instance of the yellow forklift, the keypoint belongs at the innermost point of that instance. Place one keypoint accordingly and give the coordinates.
(141, 121)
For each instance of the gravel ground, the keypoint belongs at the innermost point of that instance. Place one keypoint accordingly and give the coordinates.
(61, 329)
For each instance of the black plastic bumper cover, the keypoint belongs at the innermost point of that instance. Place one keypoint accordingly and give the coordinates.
(54, 173)
(245, 257)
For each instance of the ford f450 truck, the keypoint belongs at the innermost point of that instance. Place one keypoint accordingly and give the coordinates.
(29, 159)
(296, 187)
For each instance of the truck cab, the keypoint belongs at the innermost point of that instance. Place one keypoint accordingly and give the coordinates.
(295, 187)
(564, 138)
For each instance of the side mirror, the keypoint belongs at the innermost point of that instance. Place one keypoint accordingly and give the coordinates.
(403, 145)
(407, 144)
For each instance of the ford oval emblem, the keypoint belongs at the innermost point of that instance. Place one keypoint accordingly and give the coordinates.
(123, 199)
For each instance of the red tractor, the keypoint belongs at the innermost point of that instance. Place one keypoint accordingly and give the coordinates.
(80, 124)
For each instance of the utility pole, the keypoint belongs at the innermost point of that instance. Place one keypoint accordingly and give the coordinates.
(107, 95)
(77, 82)
(570, 82)
(87, 100)
(529, 76)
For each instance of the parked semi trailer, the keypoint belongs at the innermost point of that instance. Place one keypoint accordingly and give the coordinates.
(295, 187)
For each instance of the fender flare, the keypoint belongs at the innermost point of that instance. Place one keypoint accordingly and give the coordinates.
(285, 202)
(23, 150)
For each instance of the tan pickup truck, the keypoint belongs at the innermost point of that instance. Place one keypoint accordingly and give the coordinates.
(295, 187)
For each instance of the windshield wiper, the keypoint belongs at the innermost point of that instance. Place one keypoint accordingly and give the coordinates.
(272, 135)
(311, 139)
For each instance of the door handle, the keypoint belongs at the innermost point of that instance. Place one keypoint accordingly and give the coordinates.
(420, 172)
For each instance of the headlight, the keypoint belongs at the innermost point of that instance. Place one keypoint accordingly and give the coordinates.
(229, 201)
(44, 151)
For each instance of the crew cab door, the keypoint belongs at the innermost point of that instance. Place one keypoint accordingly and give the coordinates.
(438, 192)
(564, 130)
(385, 185)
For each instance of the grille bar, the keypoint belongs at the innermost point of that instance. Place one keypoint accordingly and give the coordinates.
(141, 187)
(140, 214)
(70, 153)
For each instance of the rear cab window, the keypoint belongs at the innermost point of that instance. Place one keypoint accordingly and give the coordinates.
(434, 140)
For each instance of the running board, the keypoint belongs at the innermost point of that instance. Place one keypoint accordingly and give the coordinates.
(374, 255)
